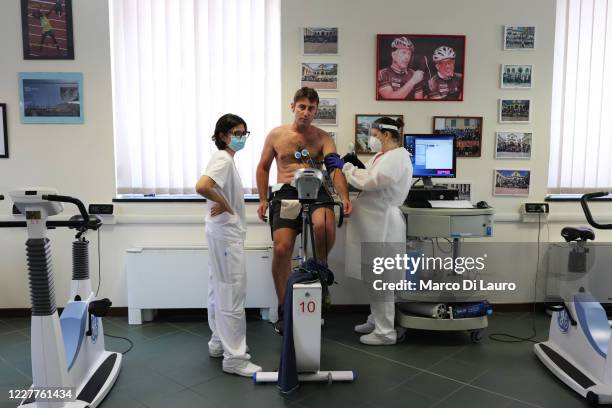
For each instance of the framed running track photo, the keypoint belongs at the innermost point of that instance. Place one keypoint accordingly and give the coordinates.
(3, 129)
(467, 131)
(51, 97)
(363, 126)
(418, 67)
(46, 27)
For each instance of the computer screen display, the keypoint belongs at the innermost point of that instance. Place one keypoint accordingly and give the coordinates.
(432, 155)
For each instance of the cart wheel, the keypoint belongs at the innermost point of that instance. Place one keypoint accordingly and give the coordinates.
(476, 336)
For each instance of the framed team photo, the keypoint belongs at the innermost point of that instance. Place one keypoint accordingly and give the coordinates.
(467, 131)
(319, 40)
(320, 76)
(516, 76)
(328, 112)
(363, 126)
(4, 133)
(511, 182)
(419, 67)
(46, 27)
(514, 110)
(513, 145)
(518, 37)
(51, 97)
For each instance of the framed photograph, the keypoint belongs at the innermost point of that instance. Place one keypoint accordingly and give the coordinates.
(519, 37)
(514, 110)
(51, 97)
(416, 67)
(464, 189)
(363, 126)
(513, 145)
(319, 40)
(516, 76)
(321, 76)
(511, 182)
(328, 111)
(46, 27)
(467, 130)
(4, 154)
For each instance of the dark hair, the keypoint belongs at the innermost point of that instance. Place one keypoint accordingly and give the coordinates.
(224, 125)
(399, 123)
(306, 92)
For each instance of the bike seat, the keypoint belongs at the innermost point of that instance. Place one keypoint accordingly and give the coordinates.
(577, 234)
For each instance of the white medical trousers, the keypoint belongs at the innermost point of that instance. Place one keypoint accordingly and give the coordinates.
(382, 313)
(226, 296)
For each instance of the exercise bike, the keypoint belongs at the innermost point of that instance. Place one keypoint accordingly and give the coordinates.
(69, 359)
(308, 297)
(580, 339)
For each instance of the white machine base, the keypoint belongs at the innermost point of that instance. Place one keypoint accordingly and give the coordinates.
(572, 374)
(91, 393)
(320, 376)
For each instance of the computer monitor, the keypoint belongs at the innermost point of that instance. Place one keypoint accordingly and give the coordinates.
(432, 156)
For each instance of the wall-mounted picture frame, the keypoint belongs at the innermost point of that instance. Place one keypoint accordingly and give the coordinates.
(514, 110)
(513, 145)
(516, 76)
(51, 97)
(519, 37)
(363, 126)
(419, 67)
(46, 28)
(467, 130)
(320, 76)
(511, 182)
(328, 112)
(319, 40)
(4, 152)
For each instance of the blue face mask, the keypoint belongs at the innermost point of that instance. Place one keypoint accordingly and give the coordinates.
(237, 143)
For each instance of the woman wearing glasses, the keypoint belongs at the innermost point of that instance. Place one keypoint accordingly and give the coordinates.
(226, 231)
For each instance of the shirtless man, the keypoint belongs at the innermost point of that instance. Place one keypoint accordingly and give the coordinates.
(281, 144)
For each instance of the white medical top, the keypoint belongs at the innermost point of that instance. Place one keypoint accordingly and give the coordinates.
(226, 226)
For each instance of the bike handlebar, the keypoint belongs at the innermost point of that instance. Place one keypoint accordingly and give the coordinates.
(587, 211)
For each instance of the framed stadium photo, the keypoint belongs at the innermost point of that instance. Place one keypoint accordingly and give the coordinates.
(467, 130)
(511, 182)
(363, 126)
(3, 129)
(418, 67)
(319, 40)
(51, 97)
(46, 27)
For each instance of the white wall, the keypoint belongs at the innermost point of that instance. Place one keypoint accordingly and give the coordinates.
(79, 159)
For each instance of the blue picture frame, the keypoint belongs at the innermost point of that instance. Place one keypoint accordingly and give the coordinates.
(51, 97)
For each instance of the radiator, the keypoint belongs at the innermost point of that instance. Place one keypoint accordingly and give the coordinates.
(177, 278)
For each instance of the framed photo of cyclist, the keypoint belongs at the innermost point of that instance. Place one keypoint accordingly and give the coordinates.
(467, 130)
(418, 67)
(46, 27)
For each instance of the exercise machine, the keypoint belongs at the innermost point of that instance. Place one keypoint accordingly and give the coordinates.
(308, 297)
(67, 352)
(579, 336)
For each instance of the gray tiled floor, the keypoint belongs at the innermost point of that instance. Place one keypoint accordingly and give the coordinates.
(169, 367)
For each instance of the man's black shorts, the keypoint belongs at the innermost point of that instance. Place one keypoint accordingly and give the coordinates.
(288, 192)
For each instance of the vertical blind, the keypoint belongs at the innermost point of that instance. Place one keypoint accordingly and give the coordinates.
(177, 67)
(581, 126)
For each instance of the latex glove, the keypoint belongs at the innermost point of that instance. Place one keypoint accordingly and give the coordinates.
(333, 161)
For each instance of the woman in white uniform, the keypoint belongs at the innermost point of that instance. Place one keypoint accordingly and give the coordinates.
(376, 218)
(226, 231)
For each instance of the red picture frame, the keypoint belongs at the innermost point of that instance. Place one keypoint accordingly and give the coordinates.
(418, 77)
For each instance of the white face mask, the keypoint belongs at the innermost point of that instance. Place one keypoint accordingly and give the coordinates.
(375, 144)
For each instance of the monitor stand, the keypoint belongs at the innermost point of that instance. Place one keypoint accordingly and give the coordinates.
(427, 183)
